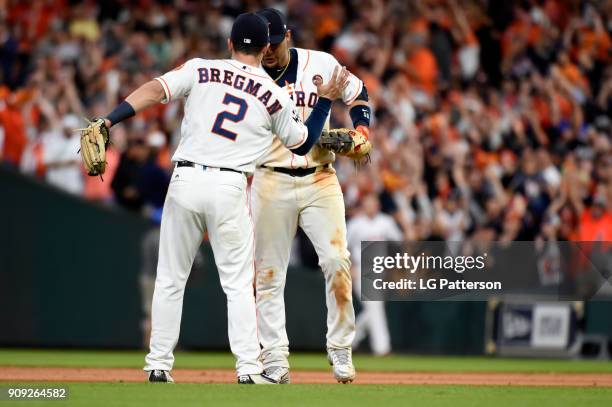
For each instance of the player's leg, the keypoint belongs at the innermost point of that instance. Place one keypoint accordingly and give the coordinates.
(181, 234)
(231, 236)
(361, 328)
(380, 340)
(275, 216)
(361, 320)
(322, 219)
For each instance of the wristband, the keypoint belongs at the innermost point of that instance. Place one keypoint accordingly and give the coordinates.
(121, 112)
(360, 115)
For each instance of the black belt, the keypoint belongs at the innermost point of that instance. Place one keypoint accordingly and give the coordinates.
(298, 172)
(204, 167)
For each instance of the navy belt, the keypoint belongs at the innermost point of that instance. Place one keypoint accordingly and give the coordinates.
(204, 167)
(298, 172)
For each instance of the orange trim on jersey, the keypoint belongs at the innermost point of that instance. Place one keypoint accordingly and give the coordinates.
(247, 72)
(307, 60)
(359, 89)
(166, 87)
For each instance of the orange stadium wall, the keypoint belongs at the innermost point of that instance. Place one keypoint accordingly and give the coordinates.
(69, 278)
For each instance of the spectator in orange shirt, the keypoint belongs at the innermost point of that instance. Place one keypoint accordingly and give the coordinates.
(13, 124)
(421, 66)
(595, 224)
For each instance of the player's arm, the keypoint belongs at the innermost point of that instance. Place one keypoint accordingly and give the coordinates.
(163, 89)
(300, 137)
(355, 96)
(360, 112)
(147, 95)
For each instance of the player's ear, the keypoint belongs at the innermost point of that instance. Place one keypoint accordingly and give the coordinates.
(288, 36)
(230, 46)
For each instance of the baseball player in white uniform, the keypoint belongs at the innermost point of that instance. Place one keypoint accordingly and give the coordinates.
(232, 111)
(371, 226)
(289, 190)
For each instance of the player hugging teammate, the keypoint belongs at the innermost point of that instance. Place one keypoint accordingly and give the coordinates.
(233, 112)
(290, 190)
(236, 115)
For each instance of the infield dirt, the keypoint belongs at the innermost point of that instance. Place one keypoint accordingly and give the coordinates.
(64, 374)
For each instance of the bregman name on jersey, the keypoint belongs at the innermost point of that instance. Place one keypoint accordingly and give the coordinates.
(232, 112)
(239, 82)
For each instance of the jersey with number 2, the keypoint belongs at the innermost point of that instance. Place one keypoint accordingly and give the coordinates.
(232, 112)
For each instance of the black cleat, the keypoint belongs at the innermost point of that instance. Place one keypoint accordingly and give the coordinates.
(160, 376)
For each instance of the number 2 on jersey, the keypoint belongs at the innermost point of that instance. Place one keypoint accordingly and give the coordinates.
(233, 117)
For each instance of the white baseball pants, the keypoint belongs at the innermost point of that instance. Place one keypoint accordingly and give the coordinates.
(280, 203)
(216, 201)
(372, 321)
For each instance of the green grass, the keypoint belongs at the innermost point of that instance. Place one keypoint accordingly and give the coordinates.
(303, 361)
(185, 395)
(223, 395)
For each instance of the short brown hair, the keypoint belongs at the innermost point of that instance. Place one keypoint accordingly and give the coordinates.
(248, 49)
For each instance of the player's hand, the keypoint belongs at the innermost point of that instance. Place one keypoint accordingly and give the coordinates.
(333, 89)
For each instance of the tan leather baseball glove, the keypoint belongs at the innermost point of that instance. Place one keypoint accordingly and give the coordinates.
(95, 139)
(347, 142)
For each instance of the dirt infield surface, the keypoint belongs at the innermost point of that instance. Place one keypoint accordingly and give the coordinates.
(57, 374)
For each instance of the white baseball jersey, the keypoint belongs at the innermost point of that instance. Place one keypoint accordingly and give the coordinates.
(372, 321)
(310, 64)
(232, 111)
(362, 228)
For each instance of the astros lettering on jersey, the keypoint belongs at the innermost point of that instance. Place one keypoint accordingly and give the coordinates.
(311, 64)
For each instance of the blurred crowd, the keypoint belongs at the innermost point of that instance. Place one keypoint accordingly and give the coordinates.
(492, 118)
